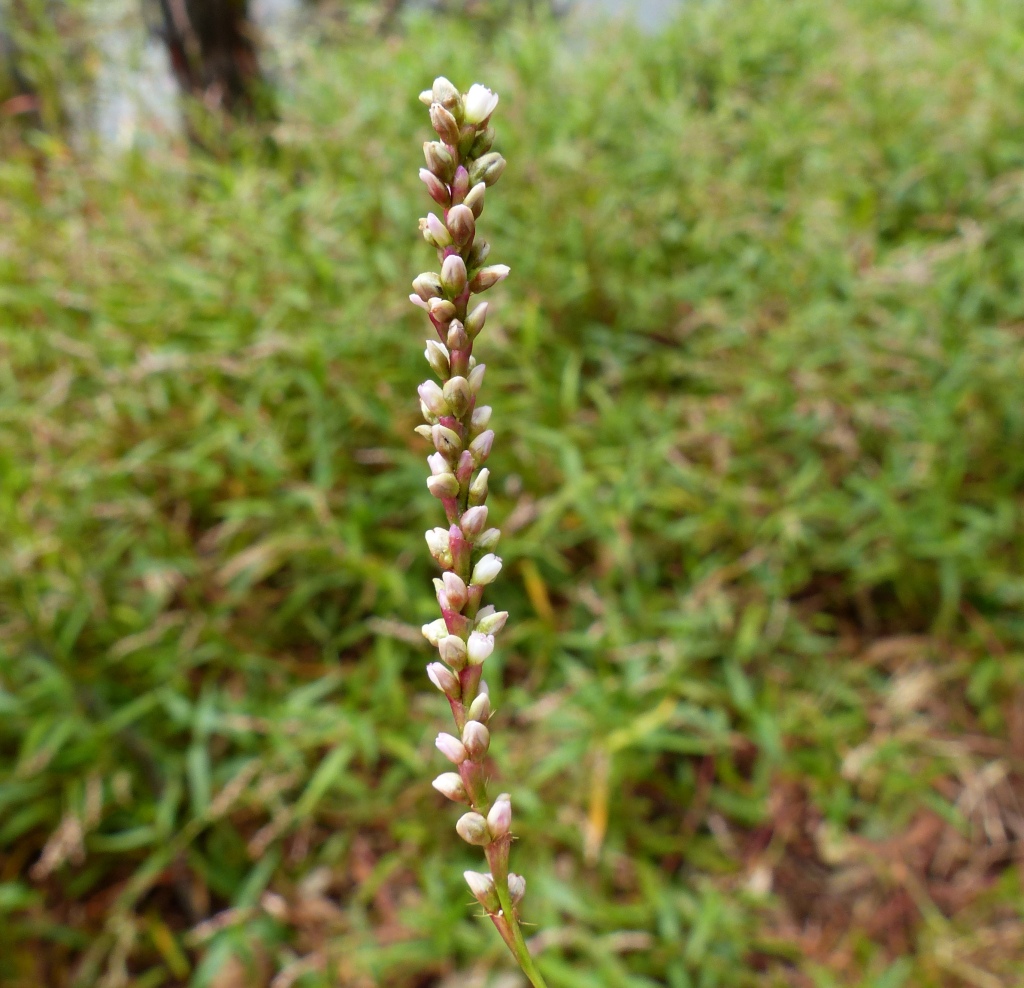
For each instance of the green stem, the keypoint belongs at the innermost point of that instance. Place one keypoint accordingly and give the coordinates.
(521, 951)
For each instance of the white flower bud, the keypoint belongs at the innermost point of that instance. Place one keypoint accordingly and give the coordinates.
(446, 440)
(478, 254)
(473, 521)
(445, 93)
(480, 708)
(499, 820)
(477, 739)
(455, 589)
(453, 650)
(452, 748)
(476, 378)
(438, 358)
(443, 485)
(481, 416)
(438, 544)
(475, 321)
(439, 160)
(472, 828)
(441, 309)
(488, 540)
(486, 570)
(427, 285)
(478, 489)
(436, 232)
(438, 464)
(427, 96)
(478, 104)
(444, 680)
(479, 648)
(453, 273)
(489, 276)
(475, 198)
(423, 430)
(491, 624)
(435, 631)
(450, 784)
(482, 887)
(516, 888)
(457, 396)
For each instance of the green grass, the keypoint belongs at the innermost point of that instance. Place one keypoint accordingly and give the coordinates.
(758, 386)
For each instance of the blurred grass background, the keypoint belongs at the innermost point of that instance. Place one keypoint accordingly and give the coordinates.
(758, 385)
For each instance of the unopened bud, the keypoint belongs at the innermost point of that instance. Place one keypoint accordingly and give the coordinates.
(445, 124)
(460, 184)
(477, 739)
(438, 544)
(475, 198)
(482, 887)
(488, 540)
(432, 396)
(434, 231)
(474, 519)
(435, 631)
(491, 624)
(443, 485)
(482, 143)
(472, 828)
(476, 377)
(452, 748)
(437, 189)
(441, 310)
(478, 254)
(453, 650)
(445, 440)
(438, 358)
(461, 224)
(499, 820)
(481, 446)
(479, 648)
(444, 680)
(480, 708)
(455, 589)
(476, 319)
(486, 570)
(481, 416)
(453, 275)
(427, 285)
(478, 491)
(516, 888)
(423, 430)
(439, 160)
(457, 338)
(457, 395)
(450, 784)
(427, 96)
(487, 169)
(488, 277)
(445, 93)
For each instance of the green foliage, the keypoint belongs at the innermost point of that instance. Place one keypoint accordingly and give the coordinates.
(758, 383)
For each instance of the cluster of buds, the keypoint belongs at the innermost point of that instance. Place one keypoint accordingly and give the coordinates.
(460, 167)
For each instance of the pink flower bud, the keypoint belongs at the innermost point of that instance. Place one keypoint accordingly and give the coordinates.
(481, 416)
(456, 590)
(481, 446)
(427, 285)
(437, 231)
(489, 276)
(473, 521)
(439, 160)
(480, 708)
(475, 198)
(516, 888)
(499, 820)
(444, 123)
(437, 189)
(432, 396)
(452, 748)
(446, 440)
(441, 310)
(445, 681)
(478, 490)
(453, 272)
(457, 396)
(460, 184)
(472, 828)
(438, 358)
(450, 784)
(457, 337)
(476, 378)
(461, 224)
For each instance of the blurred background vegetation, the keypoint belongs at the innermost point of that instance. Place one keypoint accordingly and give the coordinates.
(758, 380)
